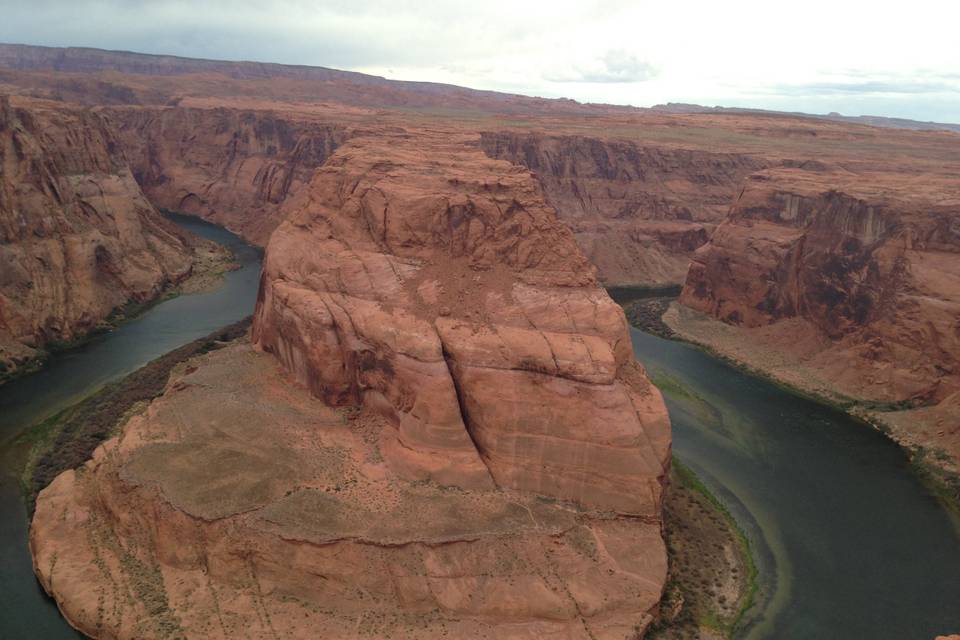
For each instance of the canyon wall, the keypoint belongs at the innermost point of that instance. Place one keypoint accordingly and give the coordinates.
(637, 211)
(851, 282)
(233, 167)
(78, 239)
(438, 431)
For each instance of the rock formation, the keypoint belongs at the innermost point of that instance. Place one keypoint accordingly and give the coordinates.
(78, 239)
(450, 439)
(638, 212)
(851, 282)
(233, 167)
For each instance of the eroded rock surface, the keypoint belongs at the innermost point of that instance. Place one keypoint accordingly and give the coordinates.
(77, 236)
(450, 439)
(638, 212)
(233, 167)
(850, 282)
(417, 275)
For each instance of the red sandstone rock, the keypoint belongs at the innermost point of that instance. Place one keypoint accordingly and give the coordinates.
(530, 375)
(77, 237)
(231, 167)
(495, 469)
(638, 212)
(868, 264)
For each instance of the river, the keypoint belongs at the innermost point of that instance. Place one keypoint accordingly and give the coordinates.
(850, 544)
(25, 611)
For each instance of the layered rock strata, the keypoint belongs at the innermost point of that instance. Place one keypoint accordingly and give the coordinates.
(638, 212)
(78, 239)
(439, 432)
(233, 167)
(851, 285)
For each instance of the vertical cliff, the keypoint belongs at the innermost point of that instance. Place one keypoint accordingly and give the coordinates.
(638, 212)
(232, 167)
(852, 278)
(77, 236)
(419, 275)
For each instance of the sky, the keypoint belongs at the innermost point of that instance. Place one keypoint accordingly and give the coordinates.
(855, 57)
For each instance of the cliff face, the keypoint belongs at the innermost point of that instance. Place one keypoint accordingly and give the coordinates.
(869, 275)
(638, 212)
(231, 167)
(471, 450)
(393, 233)
(77, 236)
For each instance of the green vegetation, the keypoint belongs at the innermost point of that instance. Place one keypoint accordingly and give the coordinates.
(689, 479)
(68, 439)
(708, 590)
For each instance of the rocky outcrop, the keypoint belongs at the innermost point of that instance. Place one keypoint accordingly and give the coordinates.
(233, 167)
(638, 212)
(863, 276)
(450, 439)
(421, 277)
(78, 239)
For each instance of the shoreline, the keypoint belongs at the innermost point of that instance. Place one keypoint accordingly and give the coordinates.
(696, 523)
(646, 313)
(68, 438)
(211, 261)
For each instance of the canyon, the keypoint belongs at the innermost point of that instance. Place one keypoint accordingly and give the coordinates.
(844, 285)
(460, 441)
(79, 238)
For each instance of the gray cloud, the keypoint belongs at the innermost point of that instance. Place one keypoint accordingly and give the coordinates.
(859, 82)
(867, 88)
(616, 66)
(554, 49)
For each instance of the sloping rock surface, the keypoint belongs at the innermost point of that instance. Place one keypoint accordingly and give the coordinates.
(417, 275)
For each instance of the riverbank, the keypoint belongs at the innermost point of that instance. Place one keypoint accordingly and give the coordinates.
(712, 578)
(210, 262)
(68, 439)
(664, 317)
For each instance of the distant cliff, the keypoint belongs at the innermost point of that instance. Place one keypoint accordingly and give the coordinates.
(233, 167)
(78, 239)
(855, 281)
(638, 212)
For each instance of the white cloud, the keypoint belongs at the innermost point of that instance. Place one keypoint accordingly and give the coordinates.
(759, 53)
(616, 66)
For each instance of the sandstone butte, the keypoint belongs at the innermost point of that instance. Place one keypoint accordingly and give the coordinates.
(847, 285)
(78, 238)
(437, 429)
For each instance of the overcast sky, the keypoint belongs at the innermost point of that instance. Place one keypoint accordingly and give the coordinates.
(852, 56)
